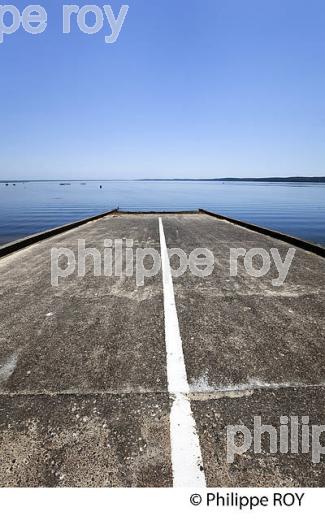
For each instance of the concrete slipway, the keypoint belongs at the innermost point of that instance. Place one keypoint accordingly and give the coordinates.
(85, 396)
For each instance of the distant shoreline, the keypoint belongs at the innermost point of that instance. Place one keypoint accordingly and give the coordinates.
(246, 179)
(216, 179)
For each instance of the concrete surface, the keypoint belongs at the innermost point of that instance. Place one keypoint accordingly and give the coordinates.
(83, 382)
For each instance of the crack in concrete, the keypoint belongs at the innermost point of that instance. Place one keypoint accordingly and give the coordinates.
(217, 393)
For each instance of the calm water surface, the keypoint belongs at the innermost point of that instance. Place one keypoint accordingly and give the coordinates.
(294, 208)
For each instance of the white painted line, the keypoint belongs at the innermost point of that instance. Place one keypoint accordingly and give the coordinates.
(185, 445)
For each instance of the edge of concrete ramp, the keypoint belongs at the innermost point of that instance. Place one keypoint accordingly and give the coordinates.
(298, 242)
(16, 245)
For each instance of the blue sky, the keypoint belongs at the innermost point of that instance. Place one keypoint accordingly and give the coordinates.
(191, 88)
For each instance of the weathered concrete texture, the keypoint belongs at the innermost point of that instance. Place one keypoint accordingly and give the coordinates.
(251, 349)
(264, 469)
(83, 369)
(89, 333)
(242, 330)
(79, 440)
(83, 382)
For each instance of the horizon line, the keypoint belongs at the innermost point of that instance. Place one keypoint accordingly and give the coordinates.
(177, 179)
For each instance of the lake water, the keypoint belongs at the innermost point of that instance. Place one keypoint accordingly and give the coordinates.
(294, 208)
